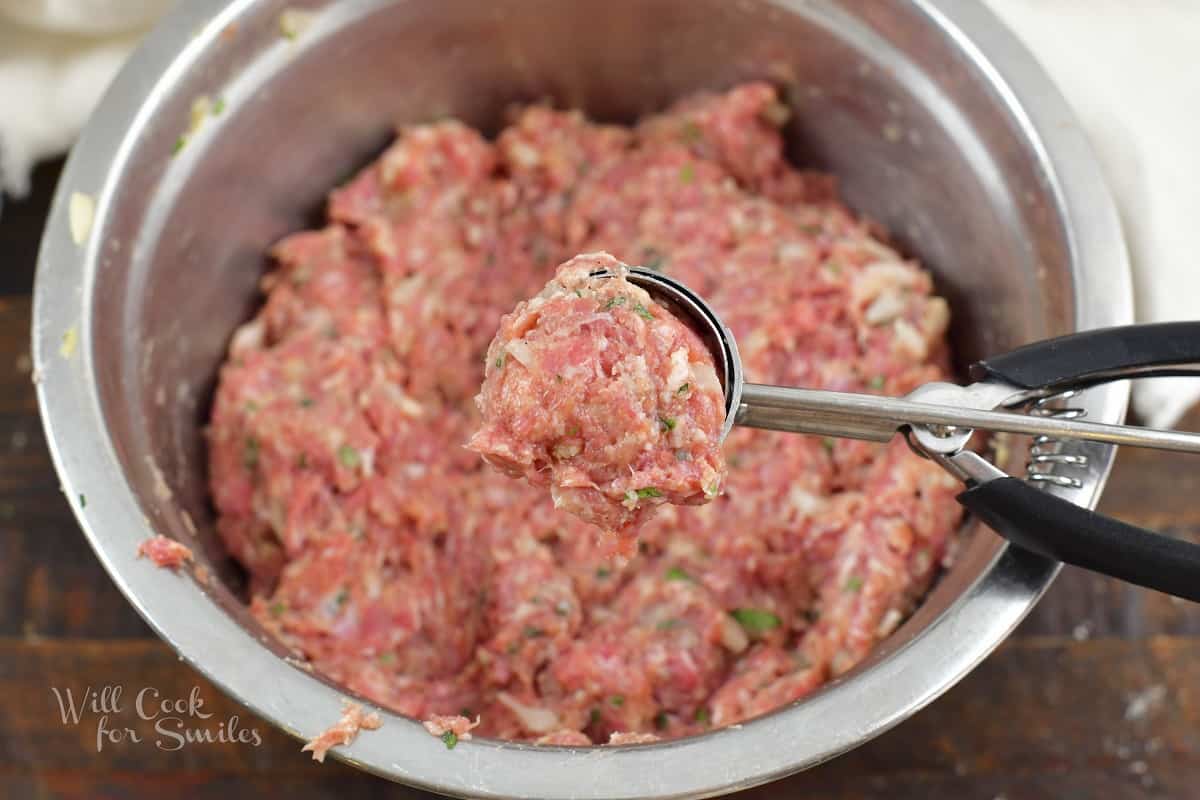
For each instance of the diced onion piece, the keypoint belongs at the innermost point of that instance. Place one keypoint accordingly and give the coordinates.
(521, 352)
(535, 719)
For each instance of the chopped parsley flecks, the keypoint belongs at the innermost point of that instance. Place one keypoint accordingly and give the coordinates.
(450, 739)
(348, 457)
(648, 491)
(642, 311)
(687, 173)
(667, 423)
(853, 583)
(677, 574)
(755, 620)
(250, 453)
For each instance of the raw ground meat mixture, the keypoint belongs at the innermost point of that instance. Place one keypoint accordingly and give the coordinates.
(403, 567)
(595, 389)
(164, 552)
(342, 732)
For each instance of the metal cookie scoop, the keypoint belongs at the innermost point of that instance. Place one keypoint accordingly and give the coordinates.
(939, 419)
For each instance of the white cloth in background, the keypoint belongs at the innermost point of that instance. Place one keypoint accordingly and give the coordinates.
(56, 58)
(1131, 70)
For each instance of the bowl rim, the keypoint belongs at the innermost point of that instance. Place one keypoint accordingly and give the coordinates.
(739, 756)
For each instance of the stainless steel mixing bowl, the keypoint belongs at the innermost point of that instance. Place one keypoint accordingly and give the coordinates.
(939, 124)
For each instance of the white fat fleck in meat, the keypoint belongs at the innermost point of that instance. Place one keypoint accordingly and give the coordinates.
(535, 718)
(796, 251)
(889, 622)
(565, 450)
(805, 503)
(522, 353)
(248, 337)
(523, 155)
(935, 317)
(704, 377)
(680, 372)
(908, 341)
(885, 308)
(367, 461)
(733, 636)
(880, 277)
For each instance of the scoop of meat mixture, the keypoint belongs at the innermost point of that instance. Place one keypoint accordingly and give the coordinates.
(596, 390)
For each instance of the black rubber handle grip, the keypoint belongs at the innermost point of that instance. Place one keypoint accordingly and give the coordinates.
(1053, 527)
(1091, 357)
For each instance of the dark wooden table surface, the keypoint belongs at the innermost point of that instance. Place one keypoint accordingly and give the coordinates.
(1096, 696)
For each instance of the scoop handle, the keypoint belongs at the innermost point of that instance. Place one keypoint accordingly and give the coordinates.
(1059, 529)
(1099, 356)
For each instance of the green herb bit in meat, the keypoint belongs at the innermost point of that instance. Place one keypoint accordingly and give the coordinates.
(755, 620)
(349, 457)
(250, 453)
(450, 739)
(691, 132)
(677, 574)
